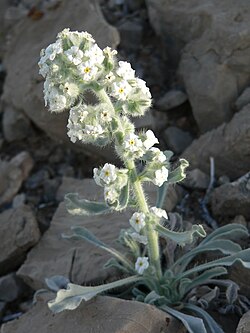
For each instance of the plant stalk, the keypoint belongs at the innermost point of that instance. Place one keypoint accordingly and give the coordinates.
(152, 235)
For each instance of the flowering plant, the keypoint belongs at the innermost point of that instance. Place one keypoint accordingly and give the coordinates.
(75, 64)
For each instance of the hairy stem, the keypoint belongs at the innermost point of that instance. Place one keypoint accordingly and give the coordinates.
(152, 235)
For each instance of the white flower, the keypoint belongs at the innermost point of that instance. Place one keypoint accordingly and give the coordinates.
(108, 173)
(88, 71)
(74, 54)
(110, 194)
(51, 51)
(95, 54)
(137, 221)
(139, 238)
(125, 71)
(105, 116)
(109, 52)
(75, 131)
(121, 90)
(159, 212)
(161, 176)
(109, 78)
(132, 143)
(93, 130)
(71, 89)
(158, 155)
(142, 86)
(44, 69)
(57, 102)
(141, 264)
(150, 139)
(96, 176)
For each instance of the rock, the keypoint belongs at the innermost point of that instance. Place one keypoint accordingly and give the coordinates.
(134, 5)
(56, 256)
(103, 314)
(24, 162)
(176, 139)
(244, 324)
(18, 233)
(241, 276)
(4, 4)
(240, 219)
(171, 99)
(2, 308)
(37, 179)
(212, 40)
(18, 200)
(12, 175)
(23, 85)
(232, 198)
(243, 99)
(228, 144)
(16, 126)
(131, 33)
(196, 179)
(10, 288)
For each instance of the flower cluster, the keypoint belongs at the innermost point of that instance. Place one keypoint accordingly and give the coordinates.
(113, 180)
(84, 124)
(75, 63)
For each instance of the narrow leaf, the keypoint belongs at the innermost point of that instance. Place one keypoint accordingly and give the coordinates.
(57, 282)
(178, 174)
(204, 278)
(76, 206)
(210, 323)
(123, 198)
(227, 247)
(161, 195)
(182, 238)
(229, 231)
(192, 324)
(243, 257)
(70, 298)
(81, 232)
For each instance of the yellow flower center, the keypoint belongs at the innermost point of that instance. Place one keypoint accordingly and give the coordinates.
(137, 221)
(132, 142)
(86, 69)
(121, 90)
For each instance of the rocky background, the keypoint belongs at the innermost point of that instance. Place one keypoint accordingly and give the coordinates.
(195, 57)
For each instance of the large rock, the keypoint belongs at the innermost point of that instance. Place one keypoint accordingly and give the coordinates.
(233, 198)
(78, 260)
(103, 314)
(23, 87)
(12, 175)
(228, 144)
(215, 62)
(18, 233)
(244, 324)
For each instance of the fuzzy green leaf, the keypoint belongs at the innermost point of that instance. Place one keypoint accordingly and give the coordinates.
(210, 323)
(182, 238)
(202, 279)
(70, 298)
(76, 206)
(178, 174)
(192, 324)
(229, 231)
(243, 257)
(123, 198)
(161, 195)
(81, 232)
(227, 247)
